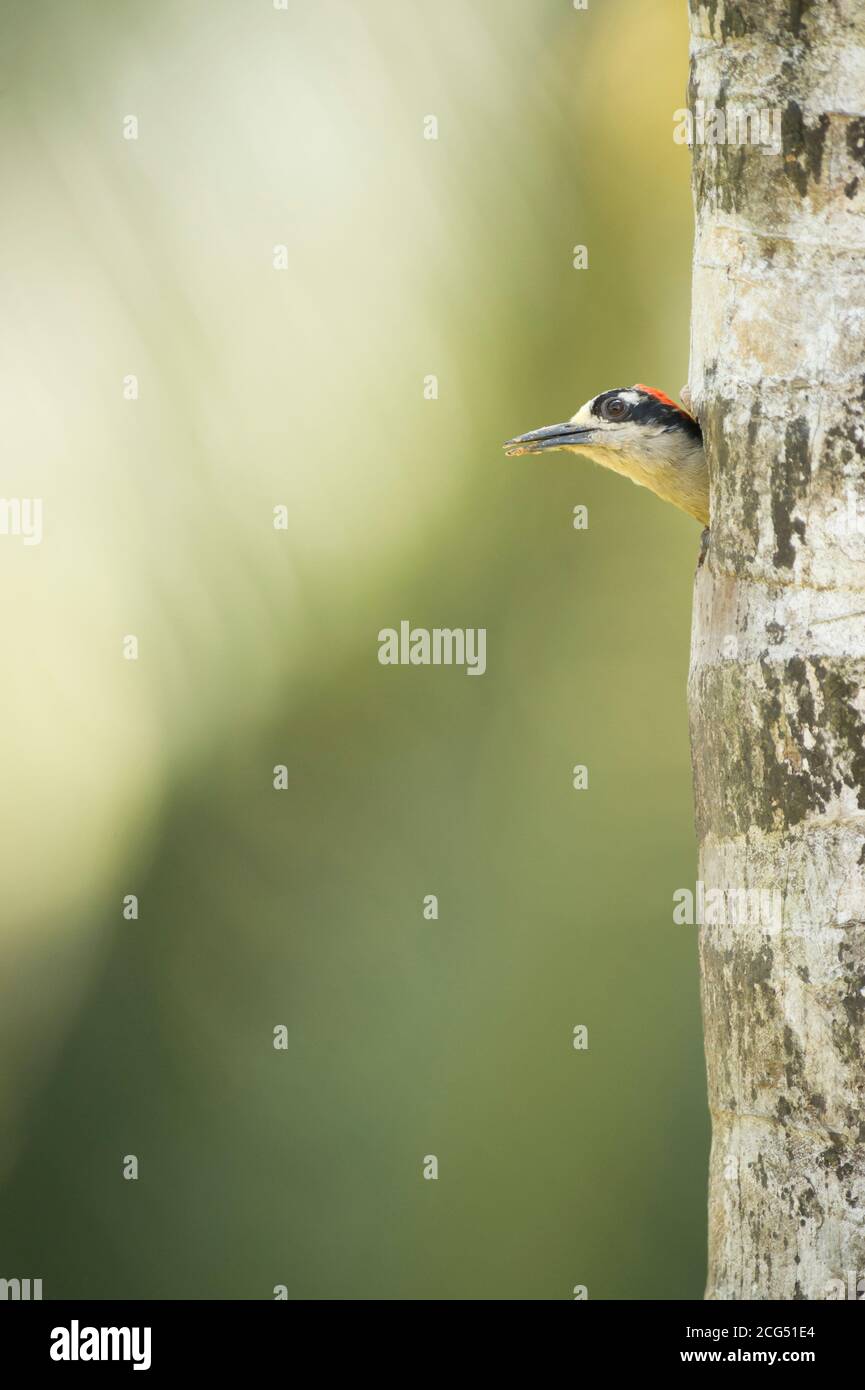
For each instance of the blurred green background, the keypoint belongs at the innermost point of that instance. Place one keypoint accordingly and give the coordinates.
(304, 387)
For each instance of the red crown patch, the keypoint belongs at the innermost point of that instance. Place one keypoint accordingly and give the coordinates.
(665, 400)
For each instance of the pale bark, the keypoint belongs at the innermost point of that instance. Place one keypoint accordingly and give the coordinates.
(778, 650)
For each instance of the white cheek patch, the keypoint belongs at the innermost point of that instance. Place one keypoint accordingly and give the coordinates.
(584, 416)
(635, 437)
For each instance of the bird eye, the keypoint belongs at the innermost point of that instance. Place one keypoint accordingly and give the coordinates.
(615, 409)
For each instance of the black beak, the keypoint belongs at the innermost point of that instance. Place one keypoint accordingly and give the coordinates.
(550, 437)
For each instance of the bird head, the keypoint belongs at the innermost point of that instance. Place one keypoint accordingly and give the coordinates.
(639, 432)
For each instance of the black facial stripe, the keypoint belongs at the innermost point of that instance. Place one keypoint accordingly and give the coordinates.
(648, 410)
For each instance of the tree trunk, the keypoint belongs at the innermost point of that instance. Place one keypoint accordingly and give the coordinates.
(778, 648)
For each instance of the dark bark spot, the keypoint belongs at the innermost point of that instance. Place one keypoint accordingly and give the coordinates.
(833, 1159)
(758, 970)
(730, 19)
(803, 146)
(856, 142)
(849, 1038)
(798, 674)
(846, 725)
(854, 1007)
(793, 753)
(840, 445)
(798, 14)
(794, 1067)
(809, 1206)
(790, 477)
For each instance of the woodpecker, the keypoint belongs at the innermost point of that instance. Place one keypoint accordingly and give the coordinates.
(640, 432)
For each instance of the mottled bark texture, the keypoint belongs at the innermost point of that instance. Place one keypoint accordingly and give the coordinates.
(778, 650)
